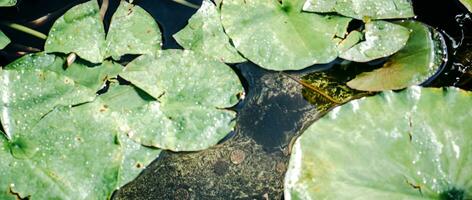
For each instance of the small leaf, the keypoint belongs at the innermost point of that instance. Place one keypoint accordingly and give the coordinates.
(417, 62)
(204, 34)
(7, 3)
(132, 31)
(467, 4)
(80, 30)
(415, 144)
(4, 40)
(278, 36)
(189, 97)
(382, 39)
(360, 9)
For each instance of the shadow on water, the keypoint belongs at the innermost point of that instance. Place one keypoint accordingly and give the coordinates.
(251, 163)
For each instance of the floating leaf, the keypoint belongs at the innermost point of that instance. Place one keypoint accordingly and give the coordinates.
(192, 93)
(360, 9)
(410, 145)
(419, 60)
(79, 30)
(135, 159)
(132, 31)
(467, 4)
(35, 84)
(7, 3)
(204, 34)
(4, 40)
(278, 36)
(71, 154)
(381, 39)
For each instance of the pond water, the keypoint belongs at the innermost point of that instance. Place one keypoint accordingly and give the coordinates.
(250, 163)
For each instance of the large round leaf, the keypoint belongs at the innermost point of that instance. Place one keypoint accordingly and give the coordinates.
(70, 154)
(279, 36)
(381, 39)
(415, 144)
(467, 4)
(190, 95)
(418, 61)
(35, 84)
(360, 9)
(80, 30)
(204, 34)
(4, 40)
(132, 31)
(7, 3)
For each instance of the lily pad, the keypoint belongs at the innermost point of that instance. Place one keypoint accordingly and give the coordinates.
(35, 84)
(190, 94)
(7, 3)
(80, 30)
(360, 9)
(132, 31)
(467, 4)
(4, 40)
(70, 154)
(382, 39)
(415, 144)
(278, 36)
(417, 62)
(204, 34)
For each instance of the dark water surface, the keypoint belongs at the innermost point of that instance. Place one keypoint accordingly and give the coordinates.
(250, 163)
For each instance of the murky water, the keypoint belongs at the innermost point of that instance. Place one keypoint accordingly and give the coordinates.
(250, 163)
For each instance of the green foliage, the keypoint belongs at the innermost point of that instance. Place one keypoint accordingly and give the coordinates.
(361, 9)
(204, 34)
(7, 3)
(4, 40)
(80, 30)
(414, 144)
(419, 60)
(467, 4)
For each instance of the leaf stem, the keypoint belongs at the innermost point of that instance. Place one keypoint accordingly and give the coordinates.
(313, 88)
(25, 29)
(186, 3)
(104, 8)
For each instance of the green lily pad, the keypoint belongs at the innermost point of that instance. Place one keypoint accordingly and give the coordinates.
(7, 3)
(4, 40)
(80, 30)
(278, 36)
(135, 159)
(360, 9)
(382, 39)
(419, 60)
(410, 145)
(190, 94)
(204, 34)
(467, 4)
(35, 84)
(132, 31)
(70, 154)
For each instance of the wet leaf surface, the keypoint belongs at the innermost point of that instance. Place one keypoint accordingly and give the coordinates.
(292, 39)
(4, 40)
(407, 152)
(418, 61)
(68, 162)
(132, 31)
(80, 30)
(360, 9)
(30, 90)
(204, 34)
(7, 3)
(382, 39)
(192, 94)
